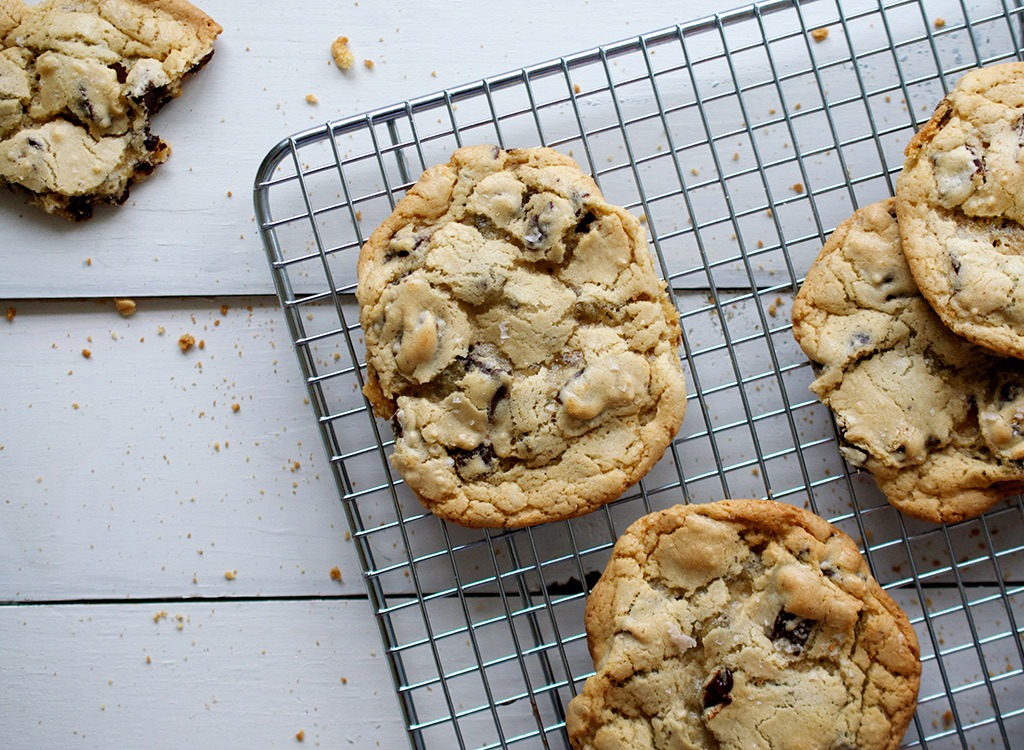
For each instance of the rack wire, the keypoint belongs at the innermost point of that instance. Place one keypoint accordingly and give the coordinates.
(741, 140)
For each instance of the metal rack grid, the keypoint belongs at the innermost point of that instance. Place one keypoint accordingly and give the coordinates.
(741, 140)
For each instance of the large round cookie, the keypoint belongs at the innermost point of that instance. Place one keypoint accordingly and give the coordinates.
(960, 201)
(743, 624)
(936, 419)
(519, 339)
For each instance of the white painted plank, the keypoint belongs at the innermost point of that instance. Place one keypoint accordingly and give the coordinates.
(189, 228)
(208, 674)
(153, 485)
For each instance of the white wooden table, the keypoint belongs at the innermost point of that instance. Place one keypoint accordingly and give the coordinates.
(175, 568)
(129, 486)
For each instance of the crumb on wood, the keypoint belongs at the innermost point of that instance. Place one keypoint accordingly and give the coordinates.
(819, 35)
(335, 573)
(368, 63)
(235, 407)
(342, 55)
(311, 99)
(939, 23)
(230, 575)
(186, 341)
(797, 187)
(576, 88)
(161, 615)
(223, 309)
(300, 735)
(11, 312)
(126, 307)
(86, 353)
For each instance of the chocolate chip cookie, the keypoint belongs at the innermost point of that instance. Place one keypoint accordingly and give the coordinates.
(937, 420)
(79, 81)
(519, 340)
(960, 202)
(743, 624)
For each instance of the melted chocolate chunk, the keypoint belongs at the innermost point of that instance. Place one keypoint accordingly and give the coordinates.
(120, 71)
(80, 208)
(584, 224)
(795, 630)
(473, 464)
(716, 692)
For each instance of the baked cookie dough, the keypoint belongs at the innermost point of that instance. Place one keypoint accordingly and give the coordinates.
(747, 625)
(938, 421)
(79, 81)
(960, 202)
(519, 340)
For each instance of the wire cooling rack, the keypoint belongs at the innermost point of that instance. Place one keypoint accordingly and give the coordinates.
(741, 140)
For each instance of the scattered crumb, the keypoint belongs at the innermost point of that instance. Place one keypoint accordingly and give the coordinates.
(819, 35)
(125, 306)
(149, 659)
(433, 74)
(11, 312)
(229, 194)
(295, 466)
(230, 574)
(342, 55)
(335, 573)
(224, 308)
(86, 353)
(694, 171)
(736, 156)
(311, 99)
(947, 718)
(797, 187)
(202, 343)
(576, 88)
(359, 215)
(368, 63)
(186, 341)
(940, 23)
(235, 407)
(300, 735)
(161, 615)
(160, 330)
(74, 405)
(88, 261)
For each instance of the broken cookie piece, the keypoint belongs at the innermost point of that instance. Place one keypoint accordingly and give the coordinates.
(79, 81)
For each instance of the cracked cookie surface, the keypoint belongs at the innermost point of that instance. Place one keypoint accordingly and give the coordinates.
(747, 625)
(937, 420)
(519, 340)
(960, 202)
(79, 81)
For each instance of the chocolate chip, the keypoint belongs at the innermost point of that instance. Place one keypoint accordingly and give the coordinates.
(485, 358)
(860, 339)
(534, 237)
(793, 629)
(80, 208)
(716, 692)
(475, 463)
(1009, 392)
(35, 143)
(120, 71)
(583, 225)
(152, 142)
(955, 262)
(85, 104)
(396, 426)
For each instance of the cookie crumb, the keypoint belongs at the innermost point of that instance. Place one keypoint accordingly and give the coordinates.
(576, 88)
(235, 407)
(819, 35)
(335, 573)
(11, 312)
(230, 574)
(797, 187)
(342, 55)
(149, 659)
(86, 353)
(223, 309)
(939, 23)
(311, 99)
(186, 341)
(74, 405)
(300, 735)
(126, 307)
(368, 63)
(202, 343)
(161, 615)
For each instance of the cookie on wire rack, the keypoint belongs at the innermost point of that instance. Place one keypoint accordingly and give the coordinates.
(960, 202)
(743, 624)
(79, 82)
(937, 420)
(519, 340)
